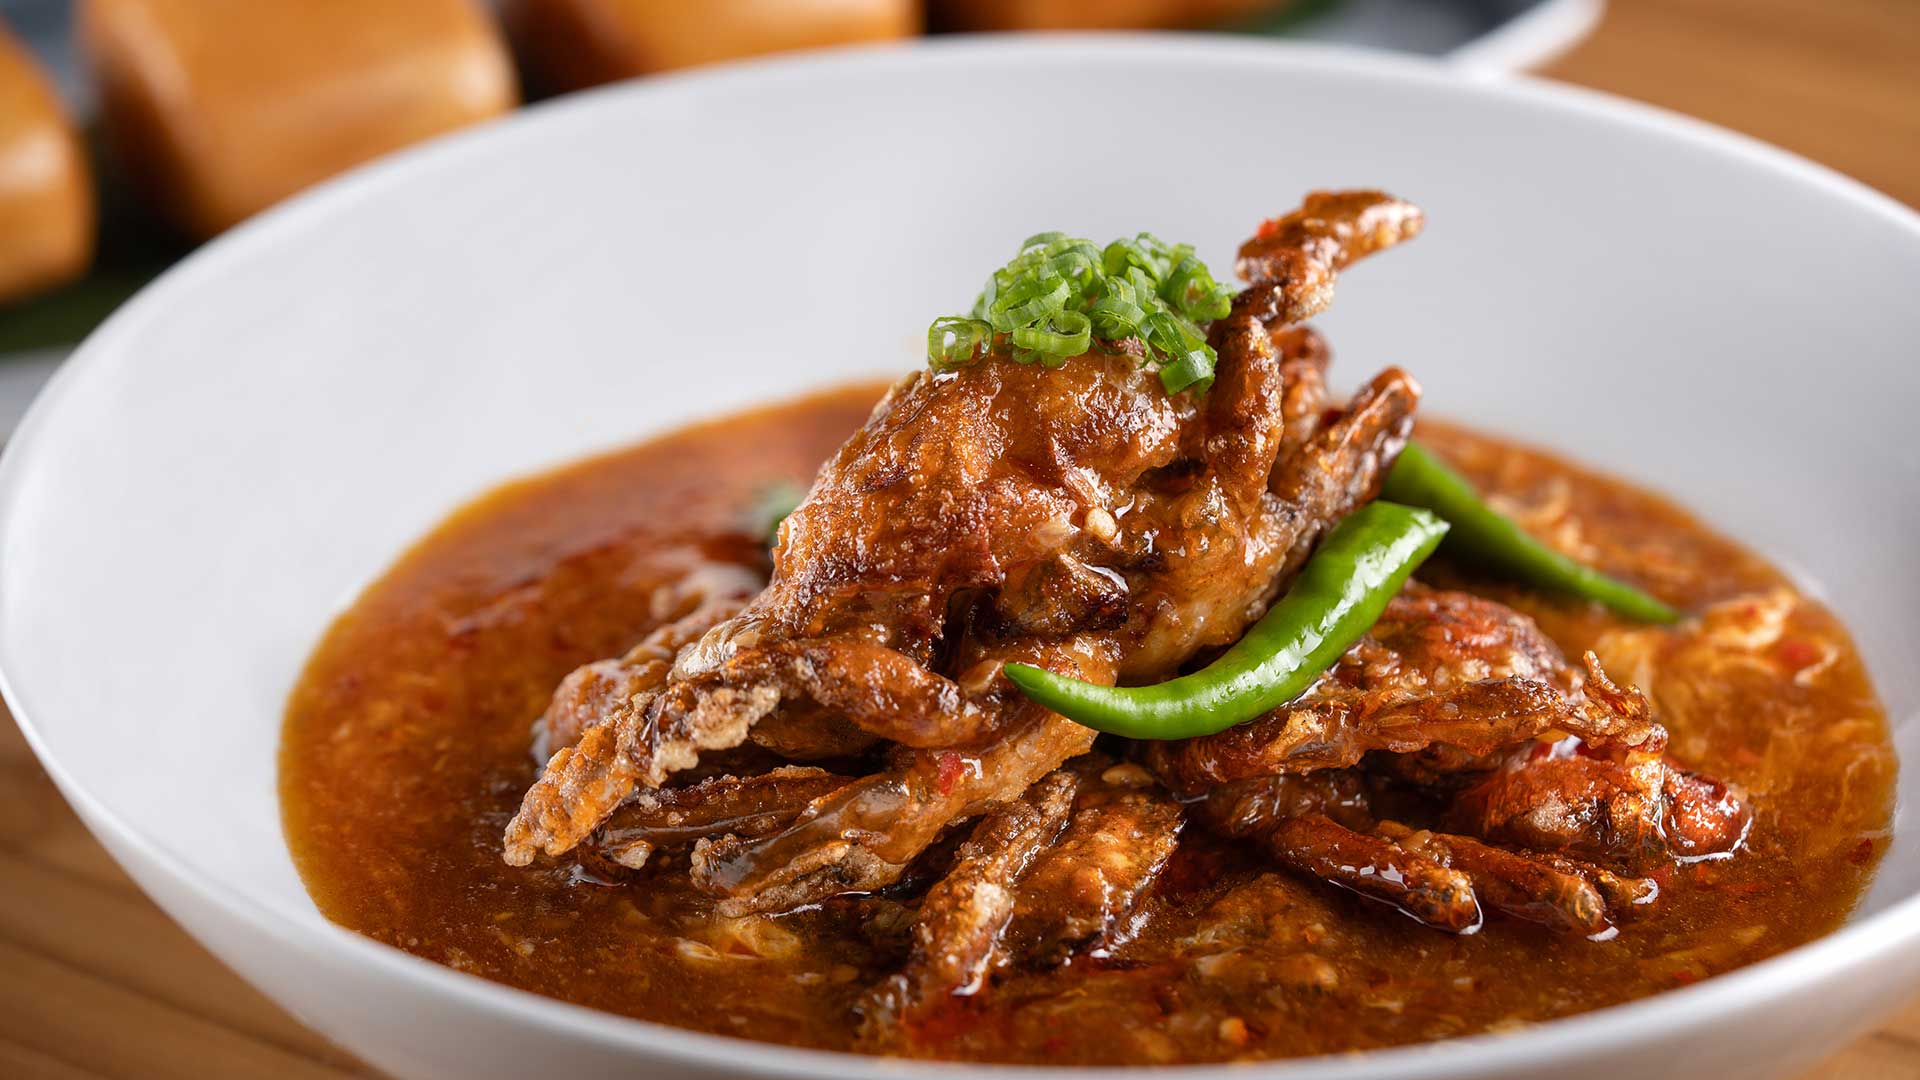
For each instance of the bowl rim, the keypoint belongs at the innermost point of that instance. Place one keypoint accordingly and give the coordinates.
(1665, 1014)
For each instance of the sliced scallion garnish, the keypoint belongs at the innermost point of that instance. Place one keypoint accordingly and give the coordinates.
(954, 342)
(1060, 295)
(1068, 333)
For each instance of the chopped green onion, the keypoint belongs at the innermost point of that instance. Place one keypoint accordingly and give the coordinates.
(1122, 254)
(1180, 280)
(1080, 265)
(1061, 295)
(1192, 370)
(954, 342)
(988, 294)
(1116, 316)
(1071, 334)
(1189, 359)
(1172, 335)
(1029, 301)
(1193, 292)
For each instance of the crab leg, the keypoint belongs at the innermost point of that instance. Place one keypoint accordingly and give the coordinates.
(1291, 263)
(862, 837)
(956, 936)
(1375, 867)
(742, 805)
(1342, 843)
(1513, 885)
(1084, 887)
(657, 731)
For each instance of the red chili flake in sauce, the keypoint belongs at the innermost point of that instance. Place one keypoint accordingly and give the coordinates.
(954, 1018)
(1685, 978)
(1862, 852)
(1796, 653)
(949, 765)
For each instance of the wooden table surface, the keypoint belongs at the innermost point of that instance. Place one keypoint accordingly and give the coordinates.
(95, 981)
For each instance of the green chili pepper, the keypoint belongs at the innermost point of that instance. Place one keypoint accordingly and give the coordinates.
(772, 507)
(1483, 535)
(1338, 597)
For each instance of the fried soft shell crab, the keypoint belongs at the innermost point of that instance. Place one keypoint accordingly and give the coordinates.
(1083, 518)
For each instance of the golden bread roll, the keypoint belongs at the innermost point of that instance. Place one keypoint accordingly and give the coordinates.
(220, 108)
(46, 190)
(569, 44)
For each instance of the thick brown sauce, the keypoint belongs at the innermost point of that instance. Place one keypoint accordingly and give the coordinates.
(406, 749)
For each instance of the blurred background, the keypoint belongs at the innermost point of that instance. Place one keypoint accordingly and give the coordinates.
(133, 130)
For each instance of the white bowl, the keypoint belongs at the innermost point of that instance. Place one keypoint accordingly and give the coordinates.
(240, 449)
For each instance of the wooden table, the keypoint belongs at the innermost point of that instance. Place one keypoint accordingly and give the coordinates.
(95, 981)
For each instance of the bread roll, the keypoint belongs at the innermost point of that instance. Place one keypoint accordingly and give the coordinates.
(220, 108)
(569, 44)
(46, 191)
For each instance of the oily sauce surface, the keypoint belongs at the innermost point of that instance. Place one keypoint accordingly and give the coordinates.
(405, 751)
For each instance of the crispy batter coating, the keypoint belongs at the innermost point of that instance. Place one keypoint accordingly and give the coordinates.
(1439, 668)
(1638, 811)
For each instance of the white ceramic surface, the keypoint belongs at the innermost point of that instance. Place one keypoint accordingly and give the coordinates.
(240, 449)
